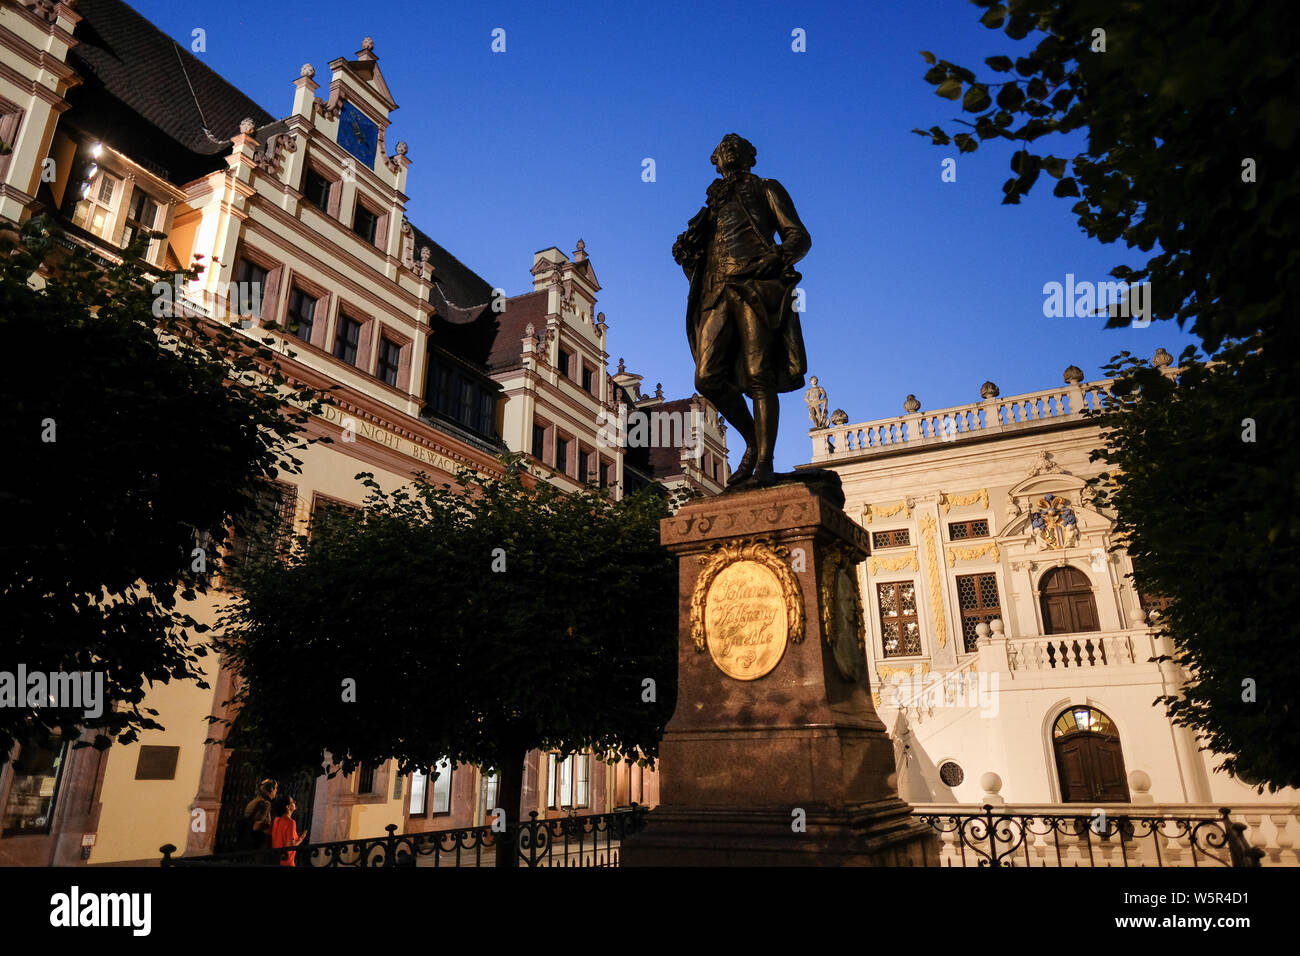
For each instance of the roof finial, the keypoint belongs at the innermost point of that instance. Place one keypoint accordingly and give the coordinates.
(581, 252)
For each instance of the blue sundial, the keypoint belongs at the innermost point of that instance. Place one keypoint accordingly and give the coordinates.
(358, 134)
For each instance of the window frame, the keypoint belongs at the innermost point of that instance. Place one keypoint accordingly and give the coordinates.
(892, 532)
(344, 322)
(901, 619)
(61, 750)
(966, 523)
(333, 187)
(979, 613)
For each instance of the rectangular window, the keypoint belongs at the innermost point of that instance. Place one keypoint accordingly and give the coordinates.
(441, 798)
(36, 776)
(539, 440)
(588, 380)
(562, 362)
(891, 539)
(346, 339)
(958, 530)
(141, 216)
(419, 791)
(268, 527)
(604, 472)
(251, 279)
(95, 209)
(365, 223)
(899, 628)
(568, 781)
(366, 779)
(561, 455)
(390, 354)
(487, 412)
(977, 596)
(487, 797)
(584, 465)
(316, 190)
(325, 510)
(302, 314)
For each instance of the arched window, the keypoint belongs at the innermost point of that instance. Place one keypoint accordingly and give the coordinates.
(1068, 606)
(1089, 761)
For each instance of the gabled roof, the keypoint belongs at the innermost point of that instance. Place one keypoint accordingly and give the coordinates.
(507, 348)
(124, 58)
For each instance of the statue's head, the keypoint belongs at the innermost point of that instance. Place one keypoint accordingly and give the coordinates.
(733, 154)
(813, 381)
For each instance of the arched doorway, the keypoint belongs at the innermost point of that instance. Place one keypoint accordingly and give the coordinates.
(1089, 760)
(1067, 602)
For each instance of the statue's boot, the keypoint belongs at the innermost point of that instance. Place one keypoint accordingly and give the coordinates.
(746, 467)
(763, 474)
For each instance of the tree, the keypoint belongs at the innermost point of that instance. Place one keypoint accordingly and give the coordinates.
(138, 437)
(1190, 116)
(1203, 495)
(474, 622)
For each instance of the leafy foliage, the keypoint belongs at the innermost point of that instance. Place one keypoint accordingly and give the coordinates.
(1188, 115)
(1179, 99)
(449, 656)
(1209, 520)
(162, 429)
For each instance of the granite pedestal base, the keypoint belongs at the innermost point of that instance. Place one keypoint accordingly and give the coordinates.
(791, 766)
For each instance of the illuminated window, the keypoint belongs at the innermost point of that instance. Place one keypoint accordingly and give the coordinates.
(567, 781)
(36, 776)
(94, 211)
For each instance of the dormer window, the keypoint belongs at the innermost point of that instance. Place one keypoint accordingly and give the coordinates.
(365, 223)
(94, 211)
(141, 216)
(317, 189)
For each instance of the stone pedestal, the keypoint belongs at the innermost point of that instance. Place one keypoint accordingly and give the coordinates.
(785, 763)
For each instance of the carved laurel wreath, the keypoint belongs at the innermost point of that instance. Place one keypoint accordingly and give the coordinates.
(834, 560)
(762, 551)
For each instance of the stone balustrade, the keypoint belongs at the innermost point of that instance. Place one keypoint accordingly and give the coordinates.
(989, 417)
(1082, 650)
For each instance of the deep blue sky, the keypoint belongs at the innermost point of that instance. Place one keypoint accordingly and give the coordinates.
(913, 284)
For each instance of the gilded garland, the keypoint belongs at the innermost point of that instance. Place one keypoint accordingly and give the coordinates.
(746, 606)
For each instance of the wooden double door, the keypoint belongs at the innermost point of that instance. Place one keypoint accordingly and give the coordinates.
(1091, 769)
(1067, 602)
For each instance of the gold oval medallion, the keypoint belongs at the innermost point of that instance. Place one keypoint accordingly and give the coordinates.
(745, 620)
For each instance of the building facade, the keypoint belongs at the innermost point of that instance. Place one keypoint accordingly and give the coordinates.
(1010, 652)
(299, 221)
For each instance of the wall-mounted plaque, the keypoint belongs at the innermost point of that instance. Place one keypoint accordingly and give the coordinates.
(746, 608)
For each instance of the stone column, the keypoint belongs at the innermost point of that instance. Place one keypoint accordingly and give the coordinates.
(775, 755)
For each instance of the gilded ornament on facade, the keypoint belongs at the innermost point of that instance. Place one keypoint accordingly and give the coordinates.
(746, 606)
(1053, 523)
(876, 565)
(969, 554)
(886, 511)
(957, 501)
(936, 585)
(842, 622)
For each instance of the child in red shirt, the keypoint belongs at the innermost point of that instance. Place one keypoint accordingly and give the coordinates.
(284, 831)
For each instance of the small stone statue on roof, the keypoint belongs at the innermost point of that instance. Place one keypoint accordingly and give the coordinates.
(815, 399)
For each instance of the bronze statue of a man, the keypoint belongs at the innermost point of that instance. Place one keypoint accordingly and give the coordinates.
(740, 317)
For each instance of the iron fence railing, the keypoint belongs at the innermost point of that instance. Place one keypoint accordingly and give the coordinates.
(582, 841)
(1008, 839)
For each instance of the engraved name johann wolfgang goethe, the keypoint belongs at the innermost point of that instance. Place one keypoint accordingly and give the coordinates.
(741, 321)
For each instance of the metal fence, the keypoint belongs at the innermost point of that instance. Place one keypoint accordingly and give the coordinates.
(1009, 839)
(582, 841)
